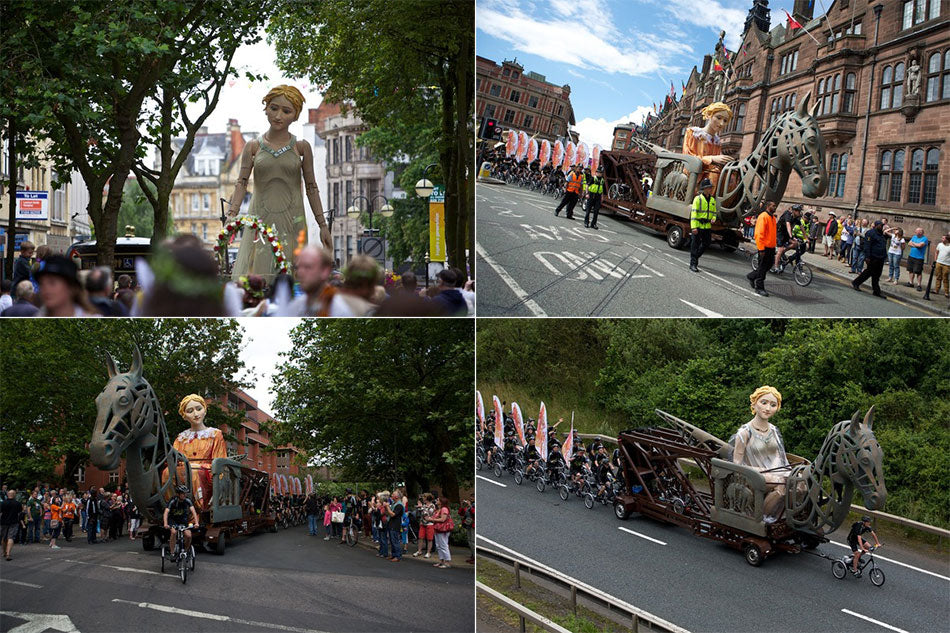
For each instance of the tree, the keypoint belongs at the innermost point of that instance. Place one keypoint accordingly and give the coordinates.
(382, 400)
(136, 210)
(55, 369)
(399, 63)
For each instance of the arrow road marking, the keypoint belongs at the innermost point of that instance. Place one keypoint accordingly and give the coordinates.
(38, 622)
(213, 616)
(878, 622)
(491, 481)
(116, 567)
(706, 312)
(649, 538)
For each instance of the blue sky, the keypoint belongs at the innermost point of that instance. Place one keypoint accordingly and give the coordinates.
(619, 56)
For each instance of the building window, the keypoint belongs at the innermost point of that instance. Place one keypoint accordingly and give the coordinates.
(515, 95)
(622, 135)
(528, 120)
(81, 475)
(114, 478)
(837, 170)
(509, 116)
(349, 246)
(891, 176)
(555, 129)
(206, 200)
(933, 77)
(892, 86)
(850, 83)
(930, 176)
(194, 201)
(495, 90)
(560, 110)
(789, 62)
(336, 199)
(194, 229)
(915, 12)
(505, 72)
(490, 111)
(916, 176)
(349, 148)
(532, 101)
(336, 150)
(739, 119)
(204, 231)
(349, 193)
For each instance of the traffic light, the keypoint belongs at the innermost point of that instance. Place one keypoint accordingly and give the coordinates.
(489, 128)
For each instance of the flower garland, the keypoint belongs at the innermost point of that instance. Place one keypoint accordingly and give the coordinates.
(265, 233)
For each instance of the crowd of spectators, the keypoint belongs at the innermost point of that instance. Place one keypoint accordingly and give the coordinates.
(183, 279)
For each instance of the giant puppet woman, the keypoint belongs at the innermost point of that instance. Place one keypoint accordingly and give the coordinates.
(200, 444)
(758, 444)
(705, 143)
(277, 160)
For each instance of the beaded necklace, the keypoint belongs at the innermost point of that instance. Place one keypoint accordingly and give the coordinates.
(277, 152)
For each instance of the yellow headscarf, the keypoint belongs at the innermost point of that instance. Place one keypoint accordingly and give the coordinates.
(761, 391)
(288, 92)
(713, 108)
(189, 398)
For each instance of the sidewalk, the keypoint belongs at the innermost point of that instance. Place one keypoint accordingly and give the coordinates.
(459, 554)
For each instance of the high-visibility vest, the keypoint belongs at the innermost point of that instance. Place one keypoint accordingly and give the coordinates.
(800, 230)
(574, 182)
(703, 214)
(596, 185)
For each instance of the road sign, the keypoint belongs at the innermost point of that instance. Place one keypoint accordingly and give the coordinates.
(374, 247)
(437, 225)
(32, 205)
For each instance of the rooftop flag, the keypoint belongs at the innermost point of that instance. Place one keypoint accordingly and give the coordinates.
(792, 23)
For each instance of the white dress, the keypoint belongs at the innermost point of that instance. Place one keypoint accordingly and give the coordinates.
(764, 451)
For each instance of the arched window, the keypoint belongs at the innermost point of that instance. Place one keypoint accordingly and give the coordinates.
(892, 86)
(842, 173)
(832, 174)
(933, 77)
(916, 175)
(850, 89)
(887, 78)
(930, 176)
(897, 179)
(897, 91)
(884, 174)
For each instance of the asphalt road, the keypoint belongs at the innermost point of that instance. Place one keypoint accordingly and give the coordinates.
(287, 581)
(701, 584)
(531, 263)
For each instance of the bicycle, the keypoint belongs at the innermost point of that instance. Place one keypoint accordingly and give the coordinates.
(531, 474)
(351, 533)
(842, 566)
(801, 271)
(553, 477)
(185, 560)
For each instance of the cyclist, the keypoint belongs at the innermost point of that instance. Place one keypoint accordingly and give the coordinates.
(488, 440)
(858, 544)
(783, 234)
(555, 461)
(179, 510)
(531, 456)
(799, 232)
(602, 470)
(579, 465)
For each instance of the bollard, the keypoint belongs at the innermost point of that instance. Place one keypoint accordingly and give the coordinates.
(522, 624)
(636, 624)
(517, 575)
(574, 599)
(933, 267)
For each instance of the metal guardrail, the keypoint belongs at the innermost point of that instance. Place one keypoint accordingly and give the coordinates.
(524, 613)
(884, 516)
(519, 562)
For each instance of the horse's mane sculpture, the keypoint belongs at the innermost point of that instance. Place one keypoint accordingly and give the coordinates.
(130, 420)
(792, 141)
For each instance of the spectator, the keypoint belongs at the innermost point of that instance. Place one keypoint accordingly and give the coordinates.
(23, 305)
(942, 258)
(875, 247)
(467, 515)
(336, 506)
(828, 235)
(82, 511)
(443, 527)
(847, 239)
(449, 298)
(894, 253)
(252, 303)
(382, 509)
(99, 287)
(360, 279)
(124, 282)
(186, 281)
(462, 285)
(425, 508)
(6, 287)
(407, 284)
(311, 506)
(396, 511)
(127, 298)
(93, 513)
(135, 518)
(314, 266)
(915, 259)
(56, 521)
(814, 232)
(34, 507)
(10, 511)
(857, 249)
(60, 291)
(22, 267)
(69, 517)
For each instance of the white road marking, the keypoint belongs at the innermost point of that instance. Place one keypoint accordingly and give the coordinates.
(38, 622)
(896, 562)
(878, 622)
(511, 283)
(214, 616)
(116, 567)
(25, 584)
(726, 281)
(509, 212)
(706, 312)
(491, 481)
(649, 538)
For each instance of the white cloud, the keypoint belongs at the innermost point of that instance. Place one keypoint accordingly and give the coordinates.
(602, 131)
(263, 341)
(579, 34)
(712, 15)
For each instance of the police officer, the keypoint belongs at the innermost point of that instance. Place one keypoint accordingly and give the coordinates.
(573, 184)
(700, 221)
(595, 192)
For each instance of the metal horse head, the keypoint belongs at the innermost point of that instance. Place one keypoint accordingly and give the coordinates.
(127, 411)
(858, 459)
(802, 147)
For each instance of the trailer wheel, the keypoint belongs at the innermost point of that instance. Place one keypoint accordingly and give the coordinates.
(675, 236)
(220, 545)
(589, 501)
(839, 570)
(620, 511)
(518, 477)
(753, 555)
(563, 492)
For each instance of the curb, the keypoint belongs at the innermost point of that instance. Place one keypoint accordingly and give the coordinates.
(459, 554)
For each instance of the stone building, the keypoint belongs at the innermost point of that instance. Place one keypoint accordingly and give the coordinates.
(351, 171)
(522, 100)
(879, 76)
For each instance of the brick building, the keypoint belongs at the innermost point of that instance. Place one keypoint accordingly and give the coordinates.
(251, 438)
(522, 100)
(886, 131)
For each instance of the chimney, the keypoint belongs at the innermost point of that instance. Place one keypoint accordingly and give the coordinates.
(237, 139)
(312, 115)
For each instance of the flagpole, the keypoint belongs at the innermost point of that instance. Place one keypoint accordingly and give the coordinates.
(827, 21)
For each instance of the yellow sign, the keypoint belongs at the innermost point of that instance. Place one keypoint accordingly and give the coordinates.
(436, 231)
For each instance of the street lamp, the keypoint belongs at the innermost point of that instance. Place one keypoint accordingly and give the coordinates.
(386, 210)
(427, 269)
(424, 186)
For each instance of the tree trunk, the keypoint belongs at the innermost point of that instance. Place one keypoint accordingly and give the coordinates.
(11, 225)
(465, 170)
(447, 157)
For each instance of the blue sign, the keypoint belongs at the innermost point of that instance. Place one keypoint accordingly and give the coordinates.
(32, 205)
(18, 239)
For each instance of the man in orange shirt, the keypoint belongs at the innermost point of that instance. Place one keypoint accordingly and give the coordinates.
(765, 244)
(574, 183)
(69, 515)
